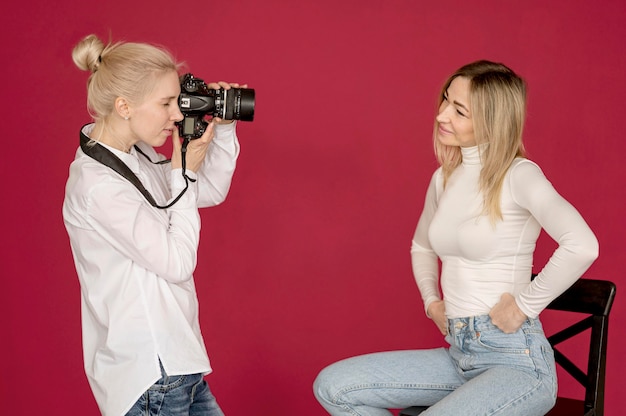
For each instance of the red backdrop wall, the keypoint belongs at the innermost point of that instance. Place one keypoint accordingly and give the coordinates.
(308, 260)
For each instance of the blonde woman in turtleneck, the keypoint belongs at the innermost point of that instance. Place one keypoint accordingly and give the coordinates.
(484, 209)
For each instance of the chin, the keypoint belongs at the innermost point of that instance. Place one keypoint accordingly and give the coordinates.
(159, 141)
(446, 141)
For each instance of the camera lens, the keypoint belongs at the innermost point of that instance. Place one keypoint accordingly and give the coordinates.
(246, 104)
(239, 104)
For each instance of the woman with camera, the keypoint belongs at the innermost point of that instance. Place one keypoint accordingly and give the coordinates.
(484, 209)
(135, 257)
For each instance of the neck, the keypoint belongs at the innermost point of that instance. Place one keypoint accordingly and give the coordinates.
(112, 135)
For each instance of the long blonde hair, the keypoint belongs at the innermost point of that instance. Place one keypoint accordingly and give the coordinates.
(498, 106)
(119, 70)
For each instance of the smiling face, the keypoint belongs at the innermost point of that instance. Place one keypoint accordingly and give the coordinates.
(152, 120)
(454, 120)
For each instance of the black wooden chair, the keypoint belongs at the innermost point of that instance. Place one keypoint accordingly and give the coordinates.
(593, 298)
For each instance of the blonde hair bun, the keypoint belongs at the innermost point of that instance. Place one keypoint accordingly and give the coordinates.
(87, 53)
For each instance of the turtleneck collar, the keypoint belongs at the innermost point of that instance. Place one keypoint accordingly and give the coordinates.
(471, 155)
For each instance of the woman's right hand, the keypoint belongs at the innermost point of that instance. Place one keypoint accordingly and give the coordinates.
(437, 312)
(196, 149)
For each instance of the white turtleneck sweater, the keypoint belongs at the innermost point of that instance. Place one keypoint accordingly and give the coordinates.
(481, 261)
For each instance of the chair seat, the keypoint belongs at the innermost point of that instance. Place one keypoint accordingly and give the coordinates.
(413, 411)
(567, 407)
(563, 407)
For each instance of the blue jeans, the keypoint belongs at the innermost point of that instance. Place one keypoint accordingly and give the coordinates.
(483, 372)
(186, 395)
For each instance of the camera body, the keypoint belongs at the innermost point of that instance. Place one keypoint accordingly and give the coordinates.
(197, 100)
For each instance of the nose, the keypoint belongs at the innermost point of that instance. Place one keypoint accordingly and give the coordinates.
(444, 113)
(177, 115)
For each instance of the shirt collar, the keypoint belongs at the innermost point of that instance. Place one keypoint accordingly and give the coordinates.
(130, 159)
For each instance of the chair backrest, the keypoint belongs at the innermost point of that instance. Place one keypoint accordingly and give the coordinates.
(594, 298)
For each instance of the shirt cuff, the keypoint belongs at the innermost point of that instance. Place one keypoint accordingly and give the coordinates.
(224, 129)
(178, 183)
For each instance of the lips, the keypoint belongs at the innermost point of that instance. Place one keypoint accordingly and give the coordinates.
(443, 130)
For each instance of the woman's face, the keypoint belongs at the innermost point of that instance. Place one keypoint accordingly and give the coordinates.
(152, 121)
(454, 121)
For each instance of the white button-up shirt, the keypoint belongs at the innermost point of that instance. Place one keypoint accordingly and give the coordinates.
(135, 264)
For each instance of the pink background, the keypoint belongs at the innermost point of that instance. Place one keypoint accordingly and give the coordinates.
(307, 262)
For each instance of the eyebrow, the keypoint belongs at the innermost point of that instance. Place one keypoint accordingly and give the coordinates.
(456, 102)
(461, 105)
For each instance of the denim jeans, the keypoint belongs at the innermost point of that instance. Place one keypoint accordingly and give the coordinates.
(483, 372)
(185, 395)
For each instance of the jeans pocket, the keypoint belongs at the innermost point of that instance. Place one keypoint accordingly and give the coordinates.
(545, 362)
(167, 383)
(497, 341)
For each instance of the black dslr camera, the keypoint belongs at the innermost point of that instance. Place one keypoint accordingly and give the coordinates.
(197, 100)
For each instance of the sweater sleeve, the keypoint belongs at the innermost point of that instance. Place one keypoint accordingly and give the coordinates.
(577, 245)
(423, 258)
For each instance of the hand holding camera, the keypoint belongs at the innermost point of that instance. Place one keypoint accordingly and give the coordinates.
(225, 86)
(194, 151)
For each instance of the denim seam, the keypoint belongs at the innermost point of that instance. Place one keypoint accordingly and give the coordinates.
(518, 399)
(551, 369)
(357, 387)
(407, 386)
(146, 396)
(192, 395)
(164, 388)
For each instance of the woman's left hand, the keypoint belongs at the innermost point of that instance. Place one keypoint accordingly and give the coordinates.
(506, 315)
(226, 86)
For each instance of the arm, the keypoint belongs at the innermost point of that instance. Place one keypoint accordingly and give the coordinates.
(216, 172)
(163, 242)
(215, 175)
(577, 245)
(425, 261)
(210, 160)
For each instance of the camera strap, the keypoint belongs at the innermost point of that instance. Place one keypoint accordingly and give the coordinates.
(103, 155)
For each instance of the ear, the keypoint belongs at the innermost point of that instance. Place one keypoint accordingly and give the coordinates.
(122, 108)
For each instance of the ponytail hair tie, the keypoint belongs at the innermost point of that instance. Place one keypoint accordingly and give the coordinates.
(96, 66)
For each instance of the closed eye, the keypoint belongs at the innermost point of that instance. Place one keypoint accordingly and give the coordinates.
(171, 100)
